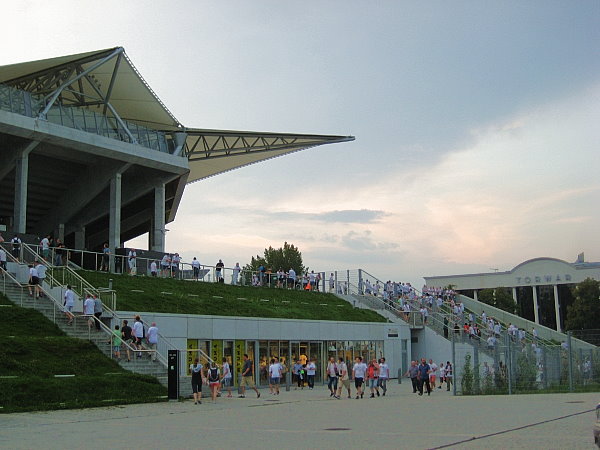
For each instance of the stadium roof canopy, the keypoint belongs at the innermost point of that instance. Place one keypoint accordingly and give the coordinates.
(107, 82)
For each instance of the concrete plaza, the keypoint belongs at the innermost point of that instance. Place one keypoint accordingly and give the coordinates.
(310, 419)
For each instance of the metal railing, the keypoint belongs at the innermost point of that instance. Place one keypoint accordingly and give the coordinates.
(30, 105)
(40, 303)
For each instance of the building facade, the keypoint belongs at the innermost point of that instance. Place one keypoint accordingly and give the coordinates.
(541, 287)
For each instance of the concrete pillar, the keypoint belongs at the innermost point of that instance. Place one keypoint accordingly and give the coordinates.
(514, 292)
(157, 233)
(557, 308)
(60, 232)
(21, 177)
(536, 312)
(114, 218)
(475, 294)
(80, 238)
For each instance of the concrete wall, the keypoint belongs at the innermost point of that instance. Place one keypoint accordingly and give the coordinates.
(178, 328)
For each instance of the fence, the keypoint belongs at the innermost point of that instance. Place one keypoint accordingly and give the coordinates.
(512, 367)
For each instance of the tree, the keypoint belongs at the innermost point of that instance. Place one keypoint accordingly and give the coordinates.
(284, 258)
(584, 312)
(499, 298)
(466, 383)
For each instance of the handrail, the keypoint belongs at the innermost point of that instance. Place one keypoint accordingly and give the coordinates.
(58, 306)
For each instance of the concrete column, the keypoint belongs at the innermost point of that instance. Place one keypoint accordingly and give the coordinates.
(157, 238)
(60, 232)
(80, 238)
(21, 178)
(557, 308)
(514, 293)
(114, 218)
(536, 312)
(475, 294)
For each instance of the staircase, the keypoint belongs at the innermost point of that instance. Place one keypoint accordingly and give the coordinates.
(51, 308)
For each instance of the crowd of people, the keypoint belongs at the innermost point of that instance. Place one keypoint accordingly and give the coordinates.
(425, 377)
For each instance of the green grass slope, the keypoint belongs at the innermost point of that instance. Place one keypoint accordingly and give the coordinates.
(34, 350)
(141, 293)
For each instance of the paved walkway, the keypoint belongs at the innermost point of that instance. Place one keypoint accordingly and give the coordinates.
(310, 419)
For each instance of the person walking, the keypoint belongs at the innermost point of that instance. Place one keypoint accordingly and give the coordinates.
(424, 370)
(413, 374)
(332, 375)
(296, 374)
(449, 375)
(127, 338)
(247, 377)
(213, 375)
(358, 373)
(98, 310)
(88, 310)
(152, 340)
(311, 371)
(197, 380)
(226, 378)
(116, 343)
(384, 375)
(34, 282)
(373, 377)
(69, 303)
(138, 332)
(344, 378)
(274, 376)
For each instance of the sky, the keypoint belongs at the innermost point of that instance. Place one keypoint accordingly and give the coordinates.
(476, 123)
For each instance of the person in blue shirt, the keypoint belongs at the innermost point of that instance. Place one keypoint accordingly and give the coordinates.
(424, 370)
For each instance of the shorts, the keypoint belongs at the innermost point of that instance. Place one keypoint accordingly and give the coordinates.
(274, 380)
(138, 341)
(116, 348)
(226, 382)
(372, 383)
(358, 382)
(432, 378)
(34, 281)
(346, 383)
(247, 381)
(196, 385)
(214, 383)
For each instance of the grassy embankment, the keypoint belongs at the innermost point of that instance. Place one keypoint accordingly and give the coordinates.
(141, 293)
(35, 350)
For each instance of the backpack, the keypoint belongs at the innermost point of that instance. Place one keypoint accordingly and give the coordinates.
(213, 375)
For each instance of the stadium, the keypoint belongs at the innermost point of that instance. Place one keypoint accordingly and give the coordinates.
(90, 155)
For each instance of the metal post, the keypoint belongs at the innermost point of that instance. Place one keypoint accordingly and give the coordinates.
(454, 368)
(508, 363)
(570, 356)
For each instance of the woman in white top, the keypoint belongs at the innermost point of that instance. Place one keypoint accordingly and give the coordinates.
(226, 379)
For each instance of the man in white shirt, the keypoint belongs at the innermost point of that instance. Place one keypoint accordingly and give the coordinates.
(152, 339)
(311, 371)
(45, 244)
(88, 309)
(292, 278)
(34, 282)
(384, 375)
(69, 303)
(41, 270)
(138, 330)
(358, 373)
(2, 258)
(196, 268)
(275, 372)
(433, 374)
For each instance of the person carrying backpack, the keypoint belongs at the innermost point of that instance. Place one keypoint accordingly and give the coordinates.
(214, 377)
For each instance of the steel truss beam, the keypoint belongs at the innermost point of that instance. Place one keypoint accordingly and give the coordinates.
(215, 144)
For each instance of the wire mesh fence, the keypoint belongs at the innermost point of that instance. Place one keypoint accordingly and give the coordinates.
(514, 367)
